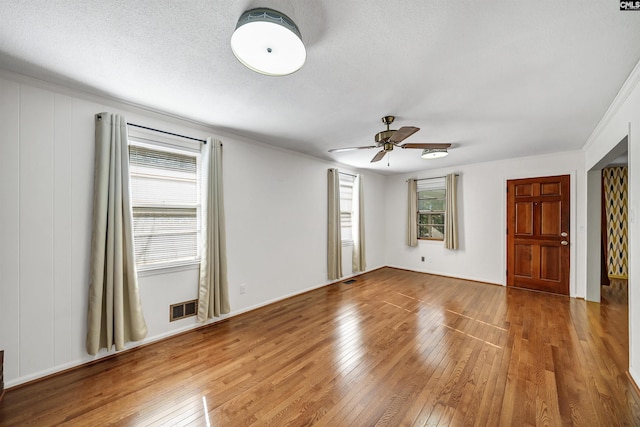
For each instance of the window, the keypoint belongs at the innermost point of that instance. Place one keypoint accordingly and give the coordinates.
(165, 193)
(346, 208)
(431, 208)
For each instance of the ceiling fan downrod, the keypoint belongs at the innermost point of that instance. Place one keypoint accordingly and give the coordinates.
(383, 137)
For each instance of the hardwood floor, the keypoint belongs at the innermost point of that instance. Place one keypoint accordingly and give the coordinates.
(617, 293)
(393, 348)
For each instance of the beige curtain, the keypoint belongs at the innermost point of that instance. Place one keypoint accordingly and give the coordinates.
(359, 262)
(115, 313)
(412, 219)
(451, 213)
(334, 239)
(213, 290)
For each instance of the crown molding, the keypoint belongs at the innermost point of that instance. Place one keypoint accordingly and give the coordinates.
(625, 91)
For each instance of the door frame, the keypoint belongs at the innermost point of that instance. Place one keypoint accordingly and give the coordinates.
(592, 237)
(578, 232)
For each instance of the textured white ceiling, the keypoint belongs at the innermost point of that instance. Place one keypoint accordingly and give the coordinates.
(497, 79)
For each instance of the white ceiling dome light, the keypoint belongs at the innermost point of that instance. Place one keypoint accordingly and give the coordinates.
(268, 42)
(434, 153)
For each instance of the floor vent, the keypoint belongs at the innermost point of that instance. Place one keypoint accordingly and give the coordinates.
(182, 310)
(350, 281)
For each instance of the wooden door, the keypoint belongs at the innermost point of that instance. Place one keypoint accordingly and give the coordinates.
(538, 233)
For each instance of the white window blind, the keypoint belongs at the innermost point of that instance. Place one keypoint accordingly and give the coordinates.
(431, 208)
(346, 208)
(165, 191)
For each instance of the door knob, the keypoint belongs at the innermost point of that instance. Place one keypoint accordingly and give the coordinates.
(564, 243)
(564, 234)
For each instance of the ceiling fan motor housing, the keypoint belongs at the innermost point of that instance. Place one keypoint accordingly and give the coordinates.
(384, 136)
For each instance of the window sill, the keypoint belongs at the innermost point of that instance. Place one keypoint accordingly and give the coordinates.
(429, 239)
(168, 268)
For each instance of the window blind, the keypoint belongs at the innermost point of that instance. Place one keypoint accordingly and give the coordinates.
(431, 184)
(346, 207)
(165, 191)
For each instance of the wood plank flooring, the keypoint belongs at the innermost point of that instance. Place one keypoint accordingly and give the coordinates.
(394, 348)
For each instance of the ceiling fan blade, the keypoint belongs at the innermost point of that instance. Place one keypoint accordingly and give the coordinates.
(378, 156)
(403, 133)
(338, 150)
(424, 146)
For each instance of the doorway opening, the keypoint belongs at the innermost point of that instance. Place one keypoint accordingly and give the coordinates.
(607, 216)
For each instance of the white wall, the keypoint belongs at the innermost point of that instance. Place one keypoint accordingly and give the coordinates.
(482, 219)
(276, 221)
(278, 199)
(275, 209)
(622, 119)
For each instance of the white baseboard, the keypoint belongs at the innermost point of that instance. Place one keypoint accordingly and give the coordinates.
(454, 276)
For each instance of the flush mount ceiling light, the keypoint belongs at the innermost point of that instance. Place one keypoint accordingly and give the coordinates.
(268, 42)
(434, 153)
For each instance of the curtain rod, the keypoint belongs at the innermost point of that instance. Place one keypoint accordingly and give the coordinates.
(167, 133)
(344, 173)
(433, 177)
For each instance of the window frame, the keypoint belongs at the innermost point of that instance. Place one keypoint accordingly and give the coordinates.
(158, 142)
(438, 183)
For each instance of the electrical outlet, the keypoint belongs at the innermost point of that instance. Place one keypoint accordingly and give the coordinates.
(429, 260)
(242, 289)
(422, 259)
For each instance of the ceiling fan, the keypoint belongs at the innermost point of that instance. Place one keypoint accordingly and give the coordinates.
(387, 139)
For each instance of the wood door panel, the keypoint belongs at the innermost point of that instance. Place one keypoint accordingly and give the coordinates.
(537, 218)
(524, 190)
(550, 263)
(524, 218)
(550, 188)
(523, 267)
(550, 219)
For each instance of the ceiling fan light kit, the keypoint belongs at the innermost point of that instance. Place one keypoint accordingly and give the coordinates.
(387, 139)
(268, 42)
(434, 153)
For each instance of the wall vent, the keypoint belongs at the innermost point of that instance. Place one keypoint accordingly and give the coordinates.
(350, 281)
(182, 310)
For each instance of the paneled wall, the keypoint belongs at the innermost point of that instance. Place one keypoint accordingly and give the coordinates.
(276, 225)
(47, 175)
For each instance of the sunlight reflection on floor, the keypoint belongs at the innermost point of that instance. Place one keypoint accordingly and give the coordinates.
(206, 411)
